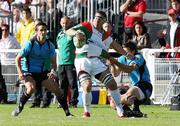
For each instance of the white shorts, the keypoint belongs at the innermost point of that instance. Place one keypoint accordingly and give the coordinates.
(141, 94)
(92, 66)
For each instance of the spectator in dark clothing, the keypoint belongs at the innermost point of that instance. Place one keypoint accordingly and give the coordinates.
(140, 37)
(133, 11)
(51, 17)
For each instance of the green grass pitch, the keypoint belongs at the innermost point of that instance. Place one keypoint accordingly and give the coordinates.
(101, 115)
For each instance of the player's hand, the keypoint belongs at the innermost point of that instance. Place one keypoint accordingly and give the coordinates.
(52, 74)
(176, 49)
(80, 36)
(21, 76)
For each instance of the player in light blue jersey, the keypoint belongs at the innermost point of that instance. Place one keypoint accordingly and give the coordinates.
(141, 87)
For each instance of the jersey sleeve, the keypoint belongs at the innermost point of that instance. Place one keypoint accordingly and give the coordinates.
(142, 6)
(138, 60)
(25, 49)
(122, 59)
(85, 27)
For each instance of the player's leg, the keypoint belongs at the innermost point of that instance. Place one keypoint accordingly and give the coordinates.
(129, 97)
(72, 79)
(63, 81)
(144, 93)
(53, 86)
(86, 83)
(107, 79)
(30, 85)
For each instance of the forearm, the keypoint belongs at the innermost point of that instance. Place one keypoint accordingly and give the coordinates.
(121, 67)
(71, 32)
(118, 48)
(18, 65)
(135, 14)
(124, 7)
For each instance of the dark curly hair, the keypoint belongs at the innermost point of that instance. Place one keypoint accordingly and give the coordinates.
(144, 28)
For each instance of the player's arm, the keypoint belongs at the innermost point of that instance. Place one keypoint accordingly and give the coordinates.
(71, 32)
(135, 14)
(53, 73)
(118, 48)
(123, 67)
(18, 66)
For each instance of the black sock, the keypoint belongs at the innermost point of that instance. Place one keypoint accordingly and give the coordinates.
(24, 99)
(136, 105)
(64, 105)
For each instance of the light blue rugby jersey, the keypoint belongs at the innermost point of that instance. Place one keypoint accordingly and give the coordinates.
(39, 56)
(135, 75)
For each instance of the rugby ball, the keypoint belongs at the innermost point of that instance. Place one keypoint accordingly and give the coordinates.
(79, 43)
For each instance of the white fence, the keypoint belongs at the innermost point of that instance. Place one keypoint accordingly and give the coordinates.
(161, 71)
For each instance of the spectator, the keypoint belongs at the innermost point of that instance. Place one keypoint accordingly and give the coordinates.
(5, 7)
(172, 38)
(16, 19)
(26, 27)
(39, 55)
(8, 42)
(107, 26)
(141, 38)
(133, 11)
(172, 34)
(51, 17)
(66, 69)
(175, 4)
(7, 58)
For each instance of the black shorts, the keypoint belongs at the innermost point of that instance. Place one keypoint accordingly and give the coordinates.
(38, 77)
(146, 88)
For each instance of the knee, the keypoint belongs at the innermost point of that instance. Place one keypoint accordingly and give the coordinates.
(85, 81)
(30, 89)
(112, 86)
(125, 99)
(87, 85)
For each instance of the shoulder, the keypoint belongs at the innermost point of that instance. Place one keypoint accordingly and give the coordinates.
(122, 59)
(88, 25)
(106, 35)
(139, 57)
(27, 44)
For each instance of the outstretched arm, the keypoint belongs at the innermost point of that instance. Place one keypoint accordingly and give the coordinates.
(118, 48)
(123, 67)
(18, 66)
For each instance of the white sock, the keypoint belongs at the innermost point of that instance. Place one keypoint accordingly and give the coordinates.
(87, 99)
(117, 98)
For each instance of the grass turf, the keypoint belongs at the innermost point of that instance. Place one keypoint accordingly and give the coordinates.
(101, 115)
